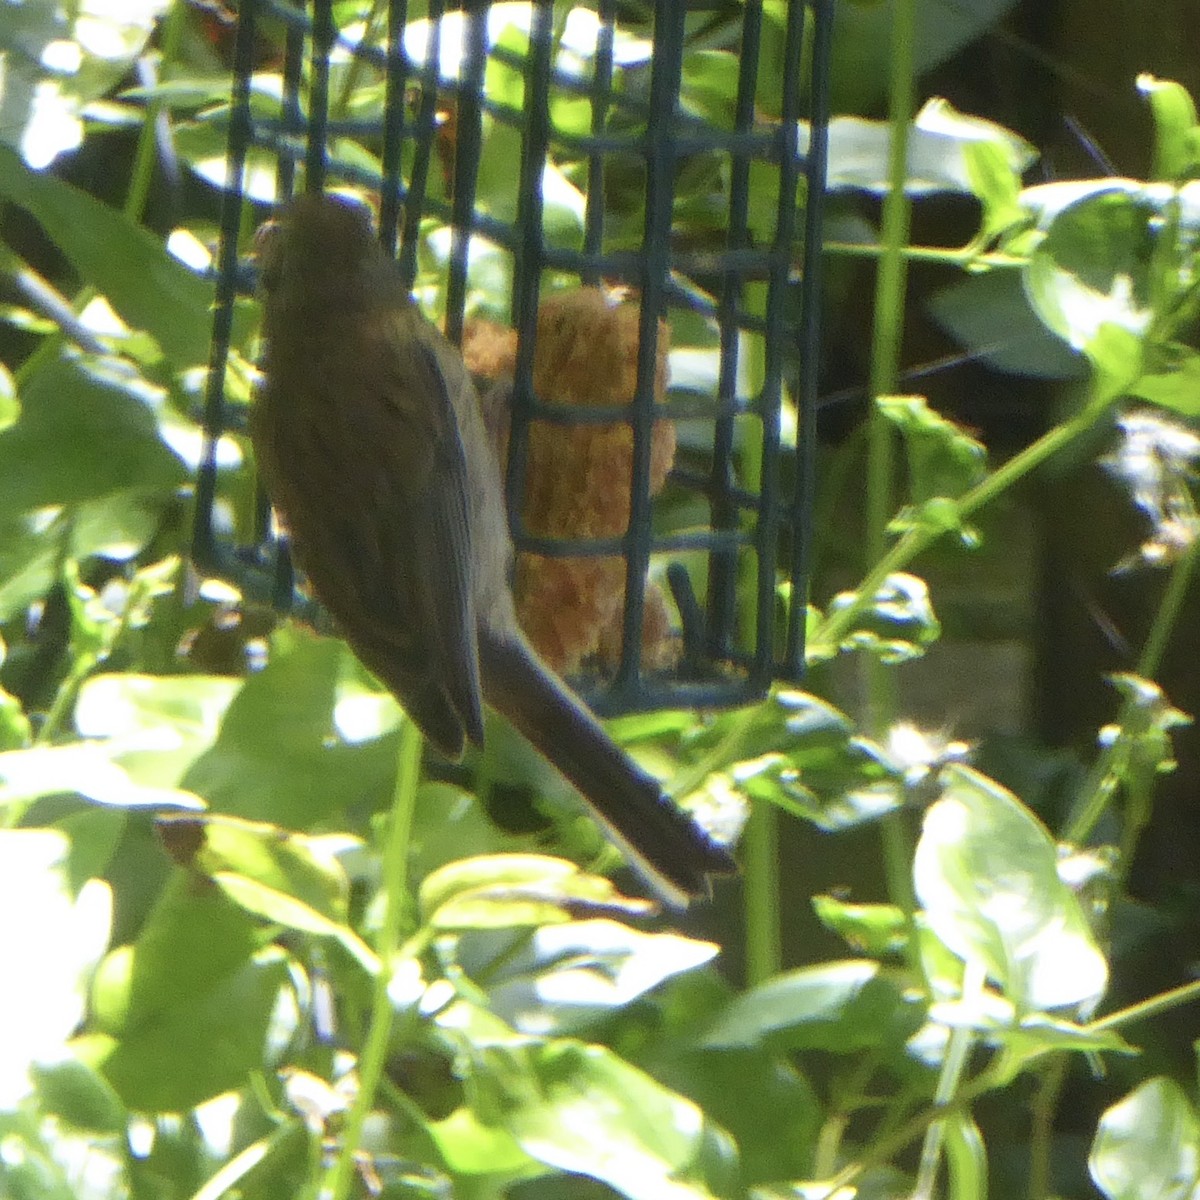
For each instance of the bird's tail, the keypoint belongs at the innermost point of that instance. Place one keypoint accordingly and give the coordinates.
(674, 854)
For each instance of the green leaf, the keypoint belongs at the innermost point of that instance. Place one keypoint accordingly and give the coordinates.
(898, 623)
(32, 551)
(1145, 731)
(95, 835)
(1117, 354)
(80, 1096)
(811, 731)
(948, 151)
(50, 940)
(1147, 1146)
(280, 908)
(766, 1104)
(582, 1109)
(203, 145)
(1177, 387)
(818, 769)
(566, 978)
(155, 725)
(1038, 1035)
(986, 873)
(279, 756)
(10, 406)
(150, 289)
(937, 516)
(943, 459)
(841, 1007)
(282, 877)
(86, 431)
(302, 868)
(450, 824)
(84, 768)
(990, 316)
(192, 939)
(1093, 277)
(57, 58)
(807, 761)
(996, 181)
(191, 92)
(875, 929)
(505, 891)
(470, 1146)
(182, 1015)
(710, 86)
(1175, 129)
(844, 791)
(966, 1158)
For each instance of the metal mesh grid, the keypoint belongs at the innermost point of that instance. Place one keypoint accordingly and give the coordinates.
(742, 624)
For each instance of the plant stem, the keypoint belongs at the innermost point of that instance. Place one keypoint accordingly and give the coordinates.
(953, 1066)
(760, 894)
(883, 1149)
(890, 280)
(836, 625)
(1041, 1131)
(355, 68)
(1102, 780)
(141, 175)
(728, 750)
(394, 884)
(1186, 993)
(968, 255)
(760, 842)
(886, 336)
(1168, 612)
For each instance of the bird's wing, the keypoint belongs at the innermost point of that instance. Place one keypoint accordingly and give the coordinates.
(407, 555)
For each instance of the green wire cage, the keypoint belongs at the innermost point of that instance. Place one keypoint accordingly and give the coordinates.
(517, 149)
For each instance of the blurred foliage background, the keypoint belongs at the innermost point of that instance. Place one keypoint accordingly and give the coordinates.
(962, 956)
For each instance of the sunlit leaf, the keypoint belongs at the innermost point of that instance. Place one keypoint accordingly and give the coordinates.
(87, 430)
(990, 316)
(582, 1109)
(181, 1015)
(1149, 718)
(303, 868)
(1176, 133)
(897, 624)
(85, 768)
(80, 1096)
(986, 873)
(502, 891)
(966, 1157)
(154, 725)
(1147, 1146)
(56, 58)
(838, 1006)
(875, 929)
(1092, 277)
(1174, 384)
(938, 158)
(1038, 1035)
(567, 977)
(279, 757)
(146, 285)
(50, 939)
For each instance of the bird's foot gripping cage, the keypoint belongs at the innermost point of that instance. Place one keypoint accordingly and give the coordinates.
(616, 210)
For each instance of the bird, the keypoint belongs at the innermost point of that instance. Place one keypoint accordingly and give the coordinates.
(370, 441)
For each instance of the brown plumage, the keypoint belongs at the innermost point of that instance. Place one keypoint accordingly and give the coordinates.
(369, 438)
